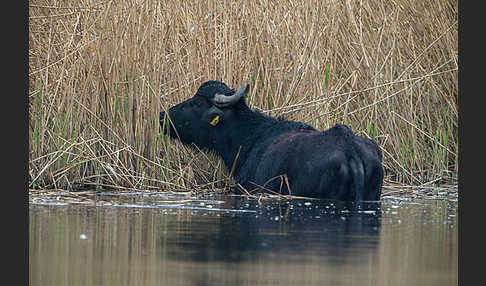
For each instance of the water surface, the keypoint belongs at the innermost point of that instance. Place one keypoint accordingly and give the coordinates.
(147, 239)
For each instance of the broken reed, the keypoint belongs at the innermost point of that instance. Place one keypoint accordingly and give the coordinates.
(100, 73)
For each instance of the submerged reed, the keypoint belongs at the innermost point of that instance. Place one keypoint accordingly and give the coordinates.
(100, 72)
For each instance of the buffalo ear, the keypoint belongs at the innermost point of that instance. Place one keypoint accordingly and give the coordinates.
(212, 116)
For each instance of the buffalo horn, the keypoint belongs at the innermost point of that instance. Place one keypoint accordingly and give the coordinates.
(222, 100)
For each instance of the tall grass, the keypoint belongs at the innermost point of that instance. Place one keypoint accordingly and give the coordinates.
(101, 71)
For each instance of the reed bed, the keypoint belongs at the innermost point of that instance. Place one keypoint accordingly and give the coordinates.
(101, 71)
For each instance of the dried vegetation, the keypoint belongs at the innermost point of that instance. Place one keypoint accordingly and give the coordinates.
(101, 71)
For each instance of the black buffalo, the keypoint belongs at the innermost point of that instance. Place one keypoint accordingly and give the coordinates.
(269, 154)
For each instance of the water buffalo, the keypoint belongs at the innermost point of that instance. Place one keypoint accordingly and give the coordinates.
(268, 154)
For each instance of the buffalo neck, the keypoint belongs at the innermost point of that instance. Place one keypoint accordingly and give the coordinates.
(240, 137)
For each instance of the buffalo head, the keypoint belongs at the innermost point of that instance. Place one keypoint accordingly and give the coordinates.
(202, 119)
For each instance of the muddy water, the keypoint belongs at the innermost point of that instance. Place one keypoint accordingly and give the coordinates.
(137, 239)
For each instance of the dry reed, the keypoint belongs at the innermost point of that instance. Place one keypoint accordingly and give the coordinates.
(101, 71)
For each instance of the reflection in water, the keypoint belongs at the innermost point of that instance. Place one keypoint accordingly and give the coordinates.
(331, 230)
(236, 241)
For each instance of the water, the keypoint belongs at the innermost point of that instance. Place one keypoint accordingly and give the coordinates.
(139, 239)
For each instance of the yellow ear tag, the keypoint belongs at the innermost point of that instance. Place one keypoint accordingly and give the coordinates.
(215, 120)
